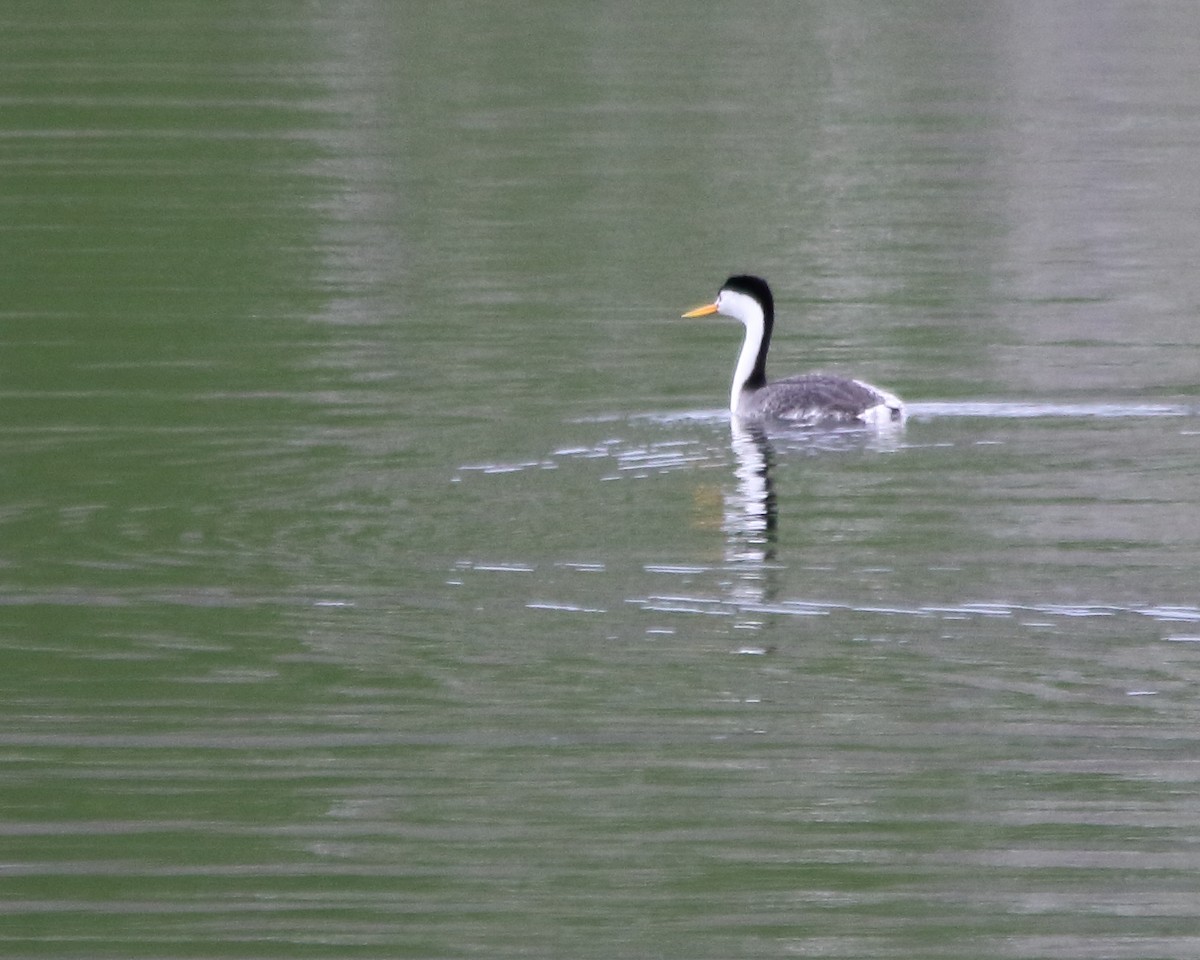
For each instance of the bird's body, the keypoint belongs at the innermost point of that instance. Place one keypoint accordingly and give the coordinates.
(817, 397)
(810, 398)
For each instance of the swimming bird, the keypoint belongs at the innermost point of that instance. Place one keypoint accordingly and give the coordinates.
(810, 398)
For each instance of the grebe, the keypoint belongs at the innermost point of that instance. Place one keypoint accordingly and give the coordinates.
(810, 398)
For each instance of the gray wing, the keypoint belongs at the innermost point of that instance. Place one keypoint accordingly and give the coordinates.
(815, 397)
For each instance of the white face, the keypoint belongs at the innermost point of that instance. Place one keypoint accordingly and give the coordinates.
(730, 303)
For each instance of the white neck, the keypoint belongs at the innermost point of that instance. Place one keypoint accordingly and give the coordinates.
(750, 312)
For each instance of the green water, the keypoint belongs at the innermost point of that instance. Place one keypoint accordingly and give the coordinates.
(379, 574)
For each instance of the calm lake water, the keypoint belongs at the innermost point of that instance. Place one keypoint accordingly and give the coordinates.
(380, 575)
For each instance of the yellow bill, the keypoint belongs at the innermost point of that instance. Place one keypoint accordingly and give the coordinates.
(704, 311)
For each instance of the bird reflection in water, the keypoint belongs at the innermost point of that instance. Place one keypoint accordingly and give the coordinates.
(750, 514)
(750, 519)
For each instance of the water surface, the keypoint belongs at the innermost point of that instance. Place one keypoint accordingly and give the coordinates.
(380, 577)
